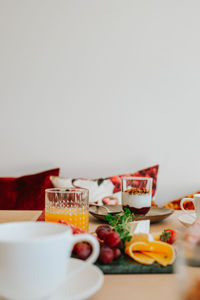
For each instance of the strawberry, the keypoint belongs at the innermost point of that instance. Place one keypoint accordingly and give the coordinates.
(169, 236)
(75, 229)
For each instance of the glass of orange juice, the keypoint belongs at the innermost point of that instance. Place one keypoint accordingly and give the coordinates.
(70, 205)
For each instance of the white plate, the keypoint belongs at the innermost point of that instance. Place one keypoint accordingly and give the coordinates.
(83, 285)
(187, 219)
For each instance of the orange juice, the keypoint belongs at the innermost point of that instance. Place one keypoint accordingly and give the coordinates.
(76, 216)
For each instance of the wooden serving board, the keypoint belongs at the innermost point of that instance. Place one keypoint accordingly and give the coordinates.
(126, 265)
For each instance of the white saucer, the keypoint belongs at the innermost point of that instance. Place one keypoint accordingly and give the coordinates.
(83, 285)
(187, 219)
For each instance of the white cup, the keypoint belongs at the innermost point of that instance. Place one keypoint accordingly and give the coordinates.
(34, 257)
(195, 201)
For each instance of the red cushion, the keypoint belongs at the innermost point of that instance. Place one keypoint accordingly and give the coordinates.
(26, 192)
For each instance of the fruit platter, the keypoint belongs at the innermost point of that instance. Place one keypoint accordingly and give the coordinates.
(127, 247)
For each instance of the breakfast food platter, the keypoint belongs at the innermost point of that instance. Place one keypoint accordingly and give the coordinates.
(155, 214)
(127, 247)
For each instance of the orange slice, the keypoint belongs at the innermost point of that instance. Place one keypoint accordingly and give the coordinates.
(142, 258)
(138, 255)
(141, 246)
(138, 237)
(163, 253)
(163, 259)
(138, 246)
(160, 252)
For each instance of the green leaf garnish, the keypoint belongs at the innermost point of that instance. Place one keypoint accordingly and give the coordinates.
(119, 223)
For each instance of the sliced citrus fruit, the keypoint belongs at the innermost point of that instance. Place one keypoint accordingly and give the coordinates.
(138, 255)
(142, 258)
(129, 248)
(161, 252)
(139, 237)
(160, 247)
(162, 258)
(141, 246)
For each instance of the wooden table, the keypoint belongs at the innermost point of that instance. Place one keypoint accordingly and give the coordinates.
(118, 287)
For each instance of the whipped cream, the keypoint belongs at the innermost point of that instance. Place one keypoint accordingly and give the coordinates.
(136, 200)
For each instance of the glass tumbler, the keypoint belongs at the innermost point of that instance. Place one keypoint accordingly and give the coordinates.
(70, 205)
(136, 194)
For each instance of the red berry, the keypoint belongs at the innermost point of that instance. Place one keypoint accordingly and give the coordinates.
(169, 236)
(106, 255)
(117, 253)
(112, 239)
(102, 231)
(83, 250)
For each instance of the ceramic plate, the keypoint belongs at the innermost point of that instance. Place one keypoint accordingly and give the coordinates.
(83, 285)
(187, 218)
(156, 214)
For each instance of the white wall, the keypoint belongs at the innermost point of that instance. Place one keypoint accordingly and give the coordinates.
(100, 88)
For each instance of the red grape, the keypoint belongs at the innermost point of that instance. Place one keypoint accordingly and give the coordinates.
(102, 231)
(106, 255)
(112, 239)
(117, 253)
(102, 234)
(75, 248)
(106, 227)
(120, 245)
(83, 250)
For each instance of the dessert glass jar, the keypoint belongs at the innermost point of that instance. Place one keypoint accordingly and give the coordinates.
(136, 194)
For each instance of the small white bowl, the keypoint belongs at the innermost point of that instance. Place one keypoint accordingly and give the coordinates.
(187, 219)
